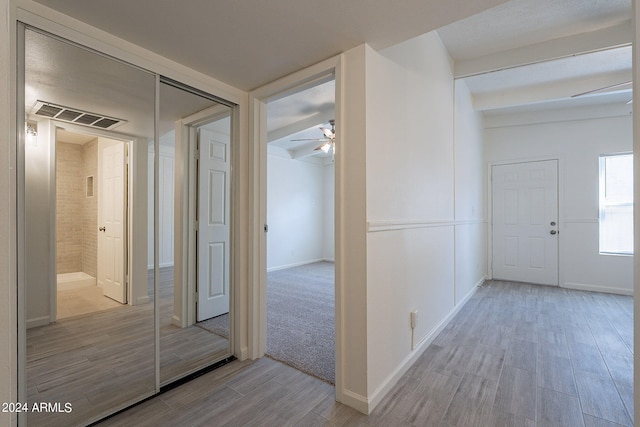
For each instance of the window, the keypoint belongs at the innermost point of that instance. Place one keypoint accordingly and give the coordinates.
(616, 204)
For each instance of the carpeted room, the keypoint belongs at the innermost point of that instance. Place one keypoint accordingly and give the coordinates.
(300, 247)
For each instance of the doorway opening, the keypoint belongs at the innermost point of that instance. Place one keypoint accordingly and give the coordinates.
(300, 240)
(91, 223)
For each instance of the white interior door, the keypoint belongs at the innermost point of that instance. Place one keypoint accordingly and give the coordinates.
(524, 220)
(213, 224)
(111, 219)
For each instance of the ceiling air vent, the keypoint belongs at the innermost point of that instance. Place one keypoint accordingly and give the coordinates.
(73, 115)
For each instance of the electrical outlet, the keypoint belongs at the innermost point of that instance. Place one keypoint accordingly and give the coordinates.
(414, 318)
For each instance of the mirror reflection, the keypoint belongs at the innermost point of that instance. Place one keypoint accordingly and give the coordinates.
(95, 300)
(194, 301)
(89, 307)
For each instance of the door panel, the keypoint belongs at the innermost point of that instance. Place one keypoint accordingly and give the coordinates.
(112, 209)
(213, 231)
(525, 205)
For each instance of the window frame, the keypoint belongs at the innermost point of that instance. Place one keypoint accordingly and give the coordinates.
(604, 204)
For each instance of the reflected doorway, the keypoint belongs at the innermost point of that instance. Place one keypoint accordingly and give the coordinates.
(91, 223)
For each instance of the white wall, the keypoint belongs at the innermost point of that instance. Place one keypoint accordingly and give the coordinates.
(419, 183)
(470, 195)
(166, 171)
(577, 143)
(299, 197)
(329, 184)
(40, 207)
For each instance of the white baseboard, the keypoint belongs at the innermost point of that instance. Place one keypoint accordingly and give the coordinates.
(355, 401)
(176, 321)
(595, 288)
(142, 300)
(295, 264)
(150, 266)
(377, 396)
(244, 353)
(38, 321)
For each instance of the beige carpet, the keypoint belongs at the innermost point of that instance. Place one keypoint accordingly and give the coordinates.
(300, 319)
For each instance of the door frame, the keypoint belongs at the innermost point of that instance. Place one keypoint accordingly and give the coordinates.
(331, 68)
(561, 215)
(132, 214)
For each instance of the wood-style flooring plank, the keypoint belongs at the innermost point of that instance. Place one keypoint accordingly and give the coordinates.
(588, 359)
(558, 409)
(599, 398)
(556, 373)
(516, 355)
(522, 354)
(590, 421)
(517, 392)
(472, 402)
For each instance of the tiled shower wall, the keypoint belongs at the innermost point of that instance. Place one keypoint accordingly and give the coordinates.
(76, 214)
(90, 212)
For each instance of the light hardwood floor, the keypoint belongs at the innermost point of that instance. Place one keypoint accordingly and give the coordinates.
(103, 360)
(515, 355)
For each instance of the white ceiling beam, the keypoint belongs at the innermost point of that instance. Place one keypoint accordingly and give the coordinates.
(603, 39)
(306, 151)
(545, 92)
(320, 117)
(279, 152)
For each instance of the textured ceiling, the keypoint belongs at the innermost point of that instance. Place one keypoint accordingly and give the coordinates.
(249, 43)
(520, 23)
(561, 70)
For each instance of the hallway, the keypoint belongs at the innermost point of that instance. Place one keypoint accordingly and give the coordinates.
(515, 355)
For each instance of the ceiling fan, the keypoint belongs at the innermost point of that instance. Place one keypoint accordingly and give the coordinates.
(606, 89)
(328, 141)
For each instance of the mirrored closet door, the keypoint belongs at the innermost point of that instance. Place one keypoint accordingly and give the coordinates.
(117, 162)
(194, 301)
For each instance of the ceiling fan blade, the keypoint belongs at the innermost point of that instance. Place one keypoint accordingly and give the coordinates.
(327, 133)
(309, 139)
(601, 89)
(324, 147)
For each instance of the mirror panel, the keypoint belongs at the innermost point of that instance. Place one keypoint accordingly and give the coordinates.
(194, 301)
(89, 303)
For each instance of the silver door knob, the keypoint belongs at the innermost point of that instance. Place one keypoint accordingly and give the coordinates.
(554, 232)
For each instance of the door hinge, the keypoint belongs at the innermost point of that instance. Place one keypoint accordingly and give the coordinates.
(195, 296)
(196, 154)
(196, 225)
(266, 228)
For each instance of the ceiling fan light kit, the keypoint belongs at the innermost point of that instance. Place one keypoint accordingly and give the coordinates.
(328, 141)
